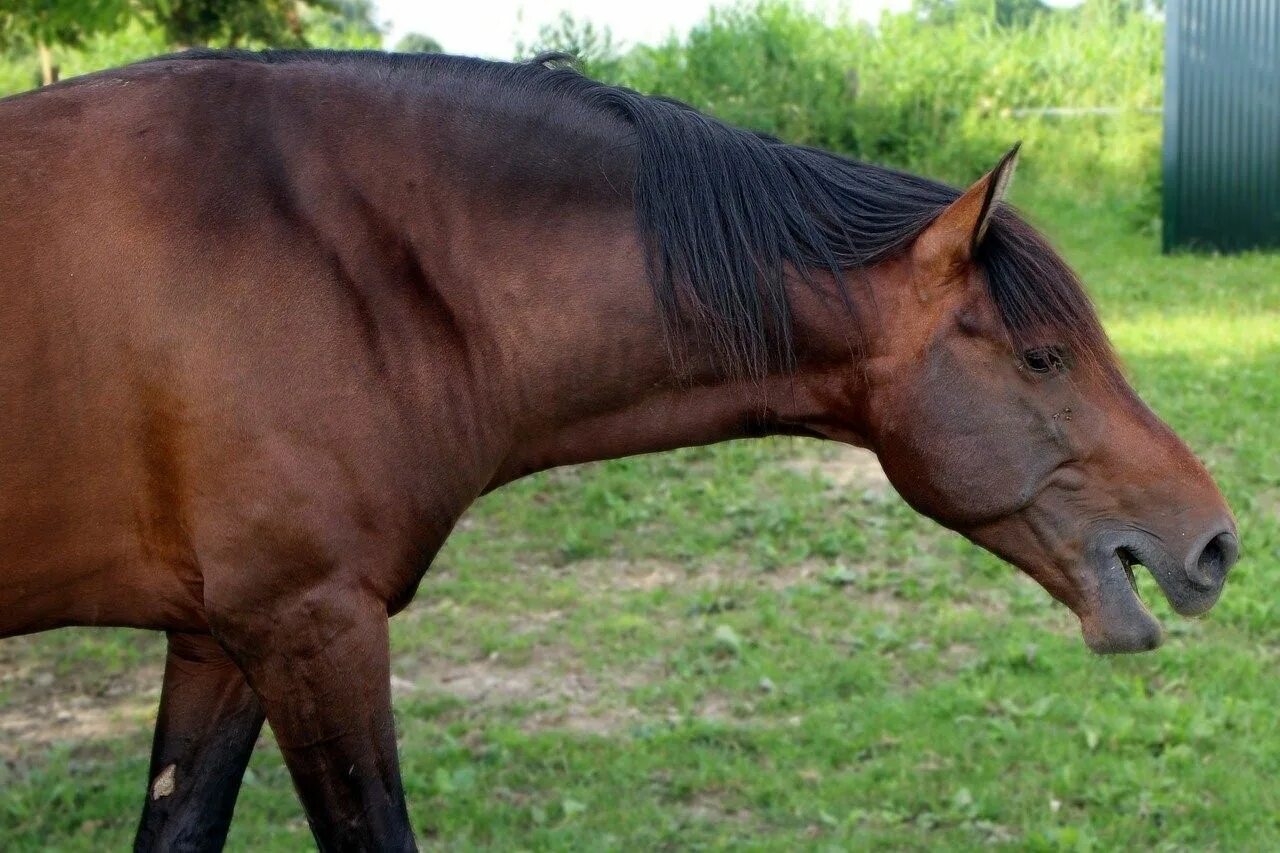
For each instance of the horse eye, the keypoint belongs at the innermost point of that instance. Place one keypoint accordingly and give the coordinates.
(1045, 360)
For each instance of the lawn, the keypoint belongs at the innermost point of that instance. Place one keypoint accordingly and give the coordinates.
(759, 645)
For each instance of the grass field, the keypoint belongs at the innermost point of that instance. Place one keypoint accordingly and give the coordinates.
(760, 645)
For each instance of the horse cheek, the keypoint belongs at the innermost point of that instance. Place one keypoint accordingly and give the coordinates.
(968, 449)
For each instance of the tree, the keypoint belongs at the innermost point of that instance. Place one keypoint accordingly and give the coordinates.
(1005, 13)
(1019, 13)
(342, 24)
(594, 49)
(418, 43)
(232, 23)
(42, 24)
(1121, 10)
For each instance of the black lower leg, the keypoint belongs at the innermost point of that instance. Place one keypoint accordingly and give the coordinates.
(209, 721)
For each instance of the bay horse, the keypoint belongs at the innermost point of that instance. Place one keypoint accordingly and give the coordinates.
(270, 322)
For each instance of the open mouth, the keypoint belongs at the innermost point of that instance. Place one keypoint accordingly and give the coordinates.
(1119, 621)
(1128, 561)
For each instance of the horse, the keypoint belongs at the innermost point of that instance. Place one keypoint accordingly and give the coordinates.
(270, 322)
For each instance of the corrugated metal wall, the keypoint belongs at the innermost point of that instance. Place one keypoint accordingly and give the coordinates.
(1222, 124)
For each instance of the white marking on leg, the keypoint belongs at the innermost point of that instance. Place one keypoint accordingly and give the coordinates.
(164, 783)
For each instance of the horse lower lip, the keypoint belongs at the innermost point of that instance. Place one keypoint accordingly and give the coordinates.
(1121, 622)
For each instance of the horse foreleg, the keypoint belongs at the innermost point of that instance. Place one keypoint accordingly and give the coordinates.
(208, 723)
(322, 667)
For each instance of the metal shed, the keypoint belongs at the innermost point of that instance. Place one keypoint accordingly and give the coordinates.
(1222, 124)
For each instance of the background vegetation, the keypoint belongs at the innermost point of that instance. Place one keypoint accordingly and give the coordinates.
(942, 89)
(757, 644)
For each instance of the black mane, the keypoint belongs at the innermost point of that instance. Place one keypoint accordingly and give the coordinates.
(726, 213)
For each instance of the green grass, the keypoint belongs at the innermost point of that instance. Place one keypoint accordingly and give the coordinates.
(718, 648)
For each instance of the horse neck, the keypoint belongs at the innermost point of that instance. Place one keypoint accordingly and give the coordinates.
(597, 379)
(555, 332)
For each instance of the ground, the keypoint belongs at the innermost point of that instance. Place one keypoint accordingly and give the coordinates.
(760, 645)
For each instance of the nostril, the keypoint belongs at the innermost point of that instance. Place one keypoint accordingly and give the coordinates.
(1216, 559)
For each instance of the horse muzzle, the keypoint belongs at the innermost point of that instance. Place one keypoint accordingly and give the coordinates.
(1116, 620)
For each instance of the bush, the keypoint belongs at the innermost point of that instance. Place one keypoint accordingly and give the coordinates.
(944, 94)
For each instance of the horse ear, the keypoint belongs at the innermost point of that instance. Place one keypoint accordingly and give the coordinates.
(954, 237)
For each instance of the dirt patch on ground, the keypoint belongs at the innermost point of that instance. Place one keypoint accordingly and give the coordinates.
(845, 469)
(706, 575)
(711, 806)
(39, 710)
(550, 685)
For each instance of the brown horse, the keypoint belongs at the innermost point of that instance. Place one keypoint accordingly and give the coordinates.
(269, 323)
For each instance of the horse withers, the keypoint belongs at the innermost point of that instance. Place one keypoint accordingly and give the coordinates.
(269, 323)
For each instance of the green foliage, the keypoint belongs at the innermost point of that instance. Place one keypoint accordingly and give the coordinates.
(1005, 13)
(943, 89)
(418, 43)
(596, 53)
(341, 24)
(233, 23)
(181, 23)
(20, 69)
(24, 23)
(150, 27)
(772, 67)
